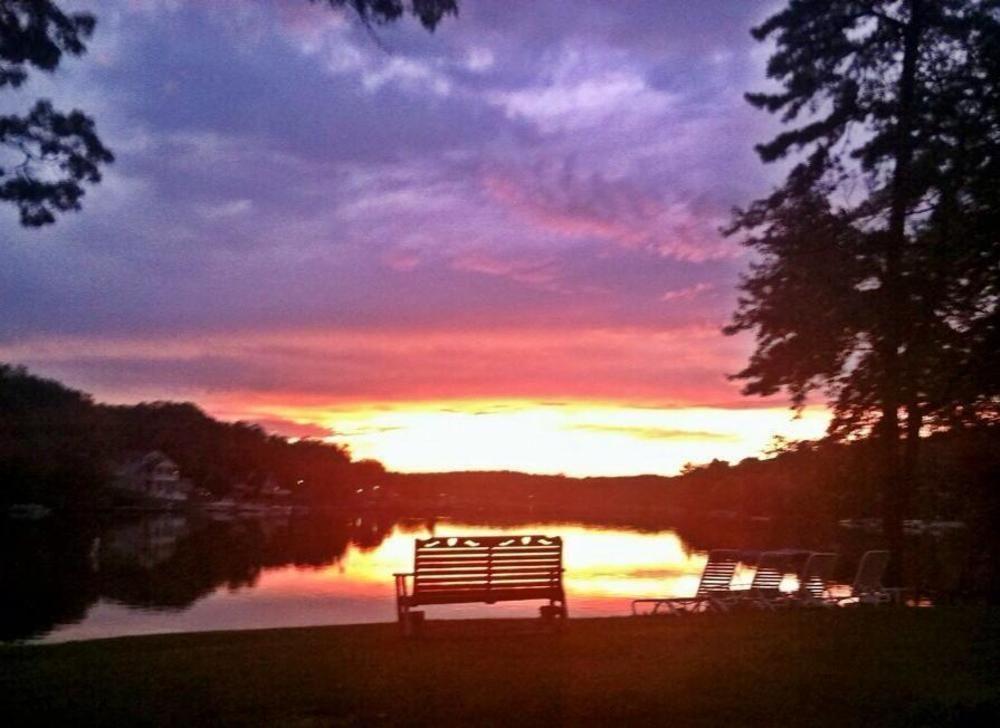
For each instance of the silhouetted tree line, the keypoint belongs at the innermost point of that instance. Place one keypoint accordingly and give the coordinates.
(817, 482)
(59, 448)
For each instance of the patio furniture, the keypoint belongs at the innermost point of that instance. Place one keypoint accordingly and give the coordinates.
(765, 587)
(816, 574)
(715, 582)
(867, 588)
(488, 569)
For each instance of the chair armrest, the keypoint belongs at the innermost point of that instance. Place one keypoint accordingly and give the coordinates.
(400, 577)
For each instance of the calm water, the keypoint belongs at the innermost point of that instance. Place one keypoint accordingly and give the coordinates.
(171, 574)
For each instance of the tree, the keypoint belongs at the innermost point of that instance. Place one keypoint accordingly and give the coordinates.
(52, 154)
(878, 270)
(379, 12)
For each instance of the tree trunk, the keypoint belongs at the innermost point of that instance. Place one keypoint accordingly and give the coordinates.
(894, 308)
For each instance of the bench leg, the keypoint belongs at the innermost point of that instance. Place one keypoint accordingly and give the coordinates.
(410, 622)
(403, 618)
(556, 609)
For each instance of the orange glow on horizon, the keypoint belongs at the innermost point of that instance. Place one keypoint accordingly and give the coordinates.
(574, 438)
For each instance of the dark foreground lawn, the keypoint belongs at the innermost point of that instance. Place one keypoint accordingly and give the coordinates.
(838, 667)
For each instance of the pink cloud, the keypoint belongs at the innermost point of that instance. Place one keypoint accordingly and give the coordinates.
(401, 259)
(534, 269)
(560, 201)
(688, 292)
(676, 366)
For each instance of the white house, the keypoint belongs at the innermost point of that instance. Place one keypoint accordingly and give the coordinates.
(153, 476)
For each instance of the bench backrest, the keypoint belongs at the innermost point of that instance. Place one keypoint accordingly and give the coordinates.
(475, 564)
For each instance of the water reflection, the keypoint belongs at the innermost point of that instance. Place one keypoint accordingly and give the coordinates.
(172, 572)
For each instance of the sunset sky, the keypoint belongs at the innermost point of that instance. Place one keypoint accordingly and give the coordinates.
(494, 246)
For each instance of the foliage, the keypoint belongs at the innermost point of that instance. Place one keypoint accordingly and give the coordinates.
(58, 448)
(53, 154)
(48, 451)
(429, 12)
(844, 295)
(877, 275)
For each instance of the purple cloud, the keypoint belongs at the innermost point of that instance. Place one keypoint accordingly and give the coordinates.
(561, 166)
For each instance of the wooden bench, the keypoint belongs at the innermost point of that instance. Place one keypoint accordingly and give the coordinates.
(488, 569)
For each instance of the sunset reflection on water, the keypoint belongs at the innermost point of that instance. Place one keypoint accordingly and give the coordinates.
(602, 565)
(605, 569)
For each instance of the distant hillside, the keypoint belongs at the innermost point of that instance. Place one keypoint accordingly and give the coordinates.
(58, 447)
(818, 482)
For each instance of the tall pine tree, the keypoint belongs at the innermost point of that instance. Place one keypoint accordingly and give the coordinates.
(877, 272)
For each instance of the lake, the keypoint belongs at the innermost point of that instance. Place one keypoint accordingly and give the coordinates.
(172, 573)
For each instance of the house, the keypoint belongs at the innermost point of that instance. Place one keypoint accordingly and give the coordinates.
(153, 476)
(271, 489)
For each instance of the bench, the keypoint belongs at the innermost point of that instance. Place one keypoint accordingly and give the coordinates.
(488, 569)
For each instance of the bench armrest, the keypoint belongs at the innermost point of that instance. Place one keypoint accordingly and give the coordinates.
(401, 583)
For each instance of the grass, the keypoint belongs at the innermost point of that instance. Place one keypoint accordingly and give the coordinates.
(847, 667)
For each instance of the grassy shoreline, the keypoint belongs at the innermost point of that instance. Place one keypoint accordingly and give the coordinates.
(878, 667)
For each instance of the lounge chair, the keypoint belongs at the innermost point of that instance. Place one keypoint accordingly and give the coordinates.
(765, 588)
(715, 582)
(816, 574)
(867, 588)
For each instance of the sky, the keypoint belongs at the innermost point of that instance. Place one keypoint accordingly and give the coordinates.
(492, 246)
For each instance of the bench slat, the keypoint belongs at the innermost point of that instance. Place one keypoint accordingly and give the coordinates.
(483, 575)
(446, 580)
(475, 588)
(480, 552)
(488, 598)
(424, 564)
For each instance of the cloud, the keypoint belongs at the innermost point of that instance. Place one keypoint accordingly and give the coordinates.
(561, 198)
(538, 270)
(688, 292)
(407, 73)
(523, 204)
(618, 97)
(478, 59)
(290, 428)
(671, 366)
(658, 433)
(230, 208)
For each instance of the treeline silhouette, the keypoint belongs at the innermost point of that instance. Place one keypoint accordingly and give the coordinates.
(58, 448)
(815, 482)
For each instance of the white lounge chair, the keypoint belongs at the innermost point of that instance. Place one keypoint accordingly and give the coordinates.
(715, 582)
(867, 588)
(816, 574)
(765, 587)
